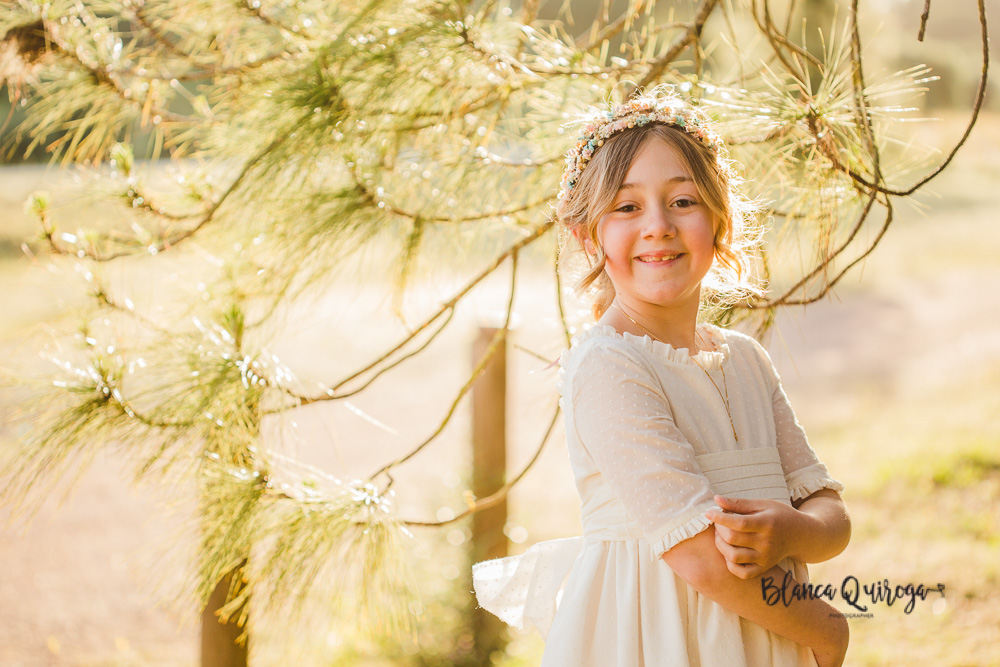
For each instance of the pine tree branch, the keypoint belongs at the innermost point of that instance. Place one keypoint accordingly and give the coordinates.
(977, 107)
(567, 337)
(608, 31)
(372, 200)
(104, 299)
(861, 116)
(778, 38)
(681, 42)
(743, 78)
(306, 400)
(480, 504)
(445, 308)
(923, 20)
(103, 76)
(166, 243)
(830, 283)
(138, 17)
(498, 339)
(785, 298)
(140, 200)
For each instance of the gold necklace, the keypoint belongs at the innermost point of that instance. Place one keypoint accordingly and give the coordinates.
(724, 398)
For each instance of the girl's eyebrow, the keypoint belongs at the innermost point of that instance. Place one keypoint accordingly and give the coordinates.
(676, 179)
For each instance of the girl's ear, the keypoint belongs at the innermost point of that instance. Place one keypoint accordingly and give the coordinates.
(581, 236)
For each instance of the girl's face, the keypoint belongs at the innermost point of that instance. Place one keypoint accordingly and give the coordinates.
(658, 237)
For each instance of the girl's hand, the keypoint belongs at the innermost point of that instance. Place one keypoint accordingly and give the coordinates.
(754, 535)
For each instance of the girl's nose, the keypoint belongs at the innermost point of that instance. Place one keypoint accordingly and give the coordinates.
(657, 223)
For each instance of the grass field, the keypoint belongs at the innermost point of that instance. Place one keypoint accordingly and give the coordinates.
(896, 378)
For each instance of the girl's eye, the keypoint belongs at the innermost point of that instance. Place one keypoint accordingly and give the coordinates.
(626, 208)
(685, 202)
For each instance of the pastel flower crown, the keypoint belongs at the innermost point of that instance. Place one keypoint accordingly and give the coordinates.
(638, 111)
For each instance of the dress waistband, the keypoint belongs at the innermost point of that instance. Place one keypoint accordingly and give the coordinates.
(746, 473)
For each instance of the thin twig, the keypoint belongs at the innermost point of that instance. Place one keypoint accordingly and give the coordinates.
(785, 299)
(497, 496)
(446, 307)
(862, 117)
(980, 97)
(306, 400)
(165, 243)
(682, 41)
(559, 300)
(776, 41)
(371, 199)
(611, 30)
(832, 282)
(923, 20)
(498, 339)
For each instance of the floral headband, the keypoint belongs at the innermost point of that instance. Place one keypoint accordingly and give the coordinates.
(601, 125)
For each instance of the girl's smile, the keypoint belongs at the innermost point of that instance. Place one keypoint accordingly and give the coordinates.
(658, 260)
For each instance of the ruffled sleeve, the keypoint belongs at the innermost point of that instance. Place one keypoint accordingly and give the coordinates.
(805, 474)
(624, 423)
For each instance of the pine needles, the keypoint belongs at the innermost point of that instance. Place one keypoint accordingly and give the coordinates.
(308, 134)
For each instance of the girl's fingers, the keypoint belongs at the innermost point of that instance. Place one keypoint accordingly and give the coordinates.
(747, 571)
(738, 505)
(742, 522)
(737, 538)
(735, 554)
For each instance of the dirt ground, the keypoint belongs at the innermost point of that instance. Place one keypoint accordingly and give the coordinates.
(870, 371)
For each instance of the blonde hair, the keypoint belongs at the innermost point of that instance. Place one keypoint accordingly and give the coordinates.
(737, 231)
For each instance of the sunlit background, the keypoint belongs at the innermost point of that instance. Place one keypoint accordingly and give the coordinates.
(895, 376)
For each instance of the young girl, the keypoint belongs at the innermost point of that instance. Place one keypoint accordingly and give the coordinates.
(698, 489)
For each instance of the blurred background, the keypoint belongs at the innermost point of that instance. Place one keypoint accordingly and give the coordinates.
(895, 377)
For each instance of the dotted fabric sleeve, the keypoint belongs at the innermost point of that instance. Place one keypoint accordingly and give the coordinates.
(804, 473)
(623, 420)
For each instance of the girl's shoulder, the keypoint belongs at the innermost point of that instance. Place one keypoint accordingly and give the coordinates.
(599, 349)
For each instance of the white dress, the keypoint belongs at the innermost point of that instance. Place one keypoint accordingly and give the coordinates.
(650, 442)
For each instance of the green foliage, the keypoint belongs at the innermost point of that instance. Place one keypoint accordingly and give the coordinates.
(315, 132)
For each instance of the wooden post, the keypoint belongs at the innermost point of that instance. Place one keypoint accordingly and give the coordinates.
(489, 460)
(219, 647)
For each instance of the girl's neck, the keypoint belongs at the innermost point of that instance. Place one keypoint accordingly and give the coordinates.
(675, 326)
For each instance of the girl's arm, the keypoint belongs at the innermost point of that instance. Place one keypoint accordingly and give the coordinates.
(827, 529)
(812, 623)
(754, 535)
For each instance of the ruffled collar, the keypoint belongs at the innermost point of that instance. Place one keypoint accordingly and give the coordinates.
(709, 359)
